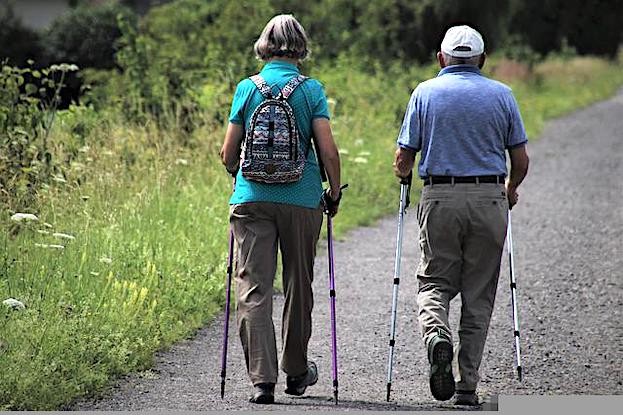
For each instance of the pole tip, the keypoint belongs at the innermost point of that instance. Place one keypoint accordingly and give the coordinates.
(335, 396)
(389, 390)
(222, 388)
(519, 373)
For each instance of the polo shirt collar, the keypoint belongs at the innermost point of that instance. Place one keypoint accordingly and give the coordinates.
(459, 68)
(279, 64)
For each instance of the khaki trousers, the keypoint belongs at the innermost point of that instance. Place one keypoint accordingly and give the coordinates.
(258, 229)
(462, 232)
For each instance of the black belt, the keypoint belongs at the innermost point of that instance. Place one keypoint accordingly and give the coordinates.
(463, 179)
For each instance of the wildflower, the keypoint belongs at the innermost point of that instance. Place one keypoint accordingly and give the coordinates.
(47, 225)
(43, 232)
(77, 166)
(95, 274)
(59, 179)
(14, 304)
(182, 162)
(364, 153)
(64, 67)
(63, 236)
(343, 151)
(85, 197)
(106, 260)
(360, 160)
(50, 246)
(359, 142)
(19, 217)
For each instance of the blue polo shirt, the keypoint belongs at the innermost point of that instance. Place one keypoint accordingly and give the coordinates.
(308, 102)
(461, 123)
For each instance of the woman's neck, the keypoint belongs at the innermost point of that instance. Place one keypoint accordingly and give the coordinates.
(284, 59)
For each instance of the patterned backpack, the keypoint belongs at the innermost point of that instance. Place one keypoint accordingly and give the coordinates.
(271, 152)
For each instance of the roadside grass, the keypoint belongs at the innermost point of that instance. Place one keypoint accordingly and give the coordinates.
(149, 221)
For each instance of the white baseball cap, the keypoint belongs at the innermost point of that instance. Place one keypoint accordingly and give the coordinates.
(462, 42)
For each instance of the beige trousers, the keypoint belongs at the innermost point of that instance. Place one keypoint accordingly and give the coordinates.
(259, 228)
(462, 232)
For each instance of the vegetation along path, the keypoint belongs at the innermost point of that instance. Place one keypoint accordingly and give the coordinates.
(569, 268)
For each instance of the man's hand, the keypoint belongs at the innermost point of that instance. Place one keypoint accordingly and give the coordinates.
(403, 162)
(511, 194)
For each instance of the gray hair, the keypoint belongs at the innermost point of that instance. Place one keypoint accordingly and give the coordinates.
(283, 36)
(455, 60)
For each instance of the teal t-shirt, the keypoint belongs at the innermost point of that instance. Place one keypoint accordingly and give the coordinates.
(308, 102)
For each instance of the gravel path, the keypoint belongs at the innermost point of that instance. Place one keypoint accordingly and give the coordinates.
(568, 232)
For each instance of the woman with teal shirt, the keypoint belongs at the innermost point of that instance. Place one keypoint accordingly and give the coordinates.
(288, 216)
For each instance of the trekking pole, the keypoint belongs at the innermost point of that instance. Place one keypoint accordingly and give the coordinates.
(332, 300)
(230, 262)
(227, 304)
(511, 262)
(405, 188)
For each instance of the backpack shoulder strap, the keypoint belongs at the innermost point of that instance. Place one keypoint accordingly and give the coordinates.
(261, 84)
(289, 88)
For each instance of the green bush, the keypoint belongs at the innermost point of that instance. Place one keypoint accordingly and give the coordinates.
(86, 36)
(26, 117)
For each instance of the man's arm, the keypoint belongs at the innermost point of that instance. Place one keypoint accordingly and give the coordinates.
(230, 152)
(409, 138)
(519, 170)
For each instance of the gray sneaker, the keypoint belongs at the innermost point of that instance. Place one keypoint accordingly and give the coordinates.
(467, 398)
(296, 385)
(264, 393)
(440, 358)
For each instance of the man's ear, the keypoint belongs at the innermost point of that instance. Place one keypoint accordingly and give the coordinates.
(483, 58)
(440, 59)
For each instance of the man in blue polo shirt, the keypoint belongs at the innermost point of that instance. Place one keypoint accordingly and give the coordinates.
(462, 124)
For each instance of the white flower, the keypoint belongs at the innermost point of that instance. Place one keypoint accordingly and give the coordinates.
(51, 246)
(47, 225)
(343, 151)
(106, 260)
(63, 236)
(364, 153)
(359, 142)
(182, 162)
(43, 232)
(19, 217)
(59, 179)
(361, 160)
(95, 274)
(14, 304)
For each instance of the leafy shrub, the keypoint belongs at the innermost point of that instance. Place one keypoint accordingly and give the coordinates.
(26, 119)
(167, 59)
(86, 36)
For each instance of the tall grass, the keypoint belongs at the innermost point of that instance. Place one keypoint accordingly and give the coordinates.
(149, 221)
